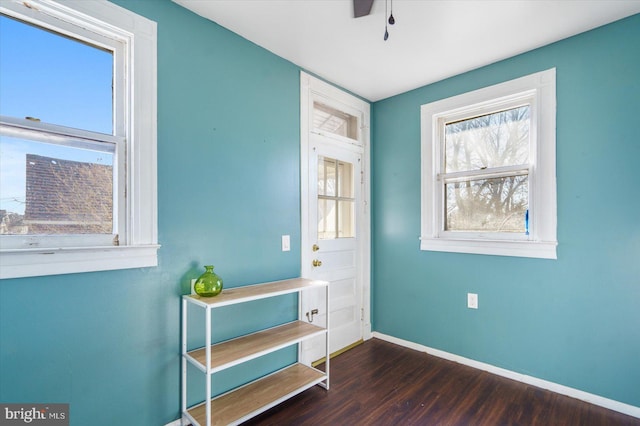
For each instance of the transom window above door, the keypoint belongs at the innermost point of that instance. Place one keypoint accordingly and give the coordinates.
(327, 119)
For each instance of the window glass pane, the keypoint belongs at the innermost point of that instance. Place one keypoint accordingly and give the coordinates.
(493, 140)
(54, 189)
(326, 176)
(346, 223)
(494, 205)
(336, 202)
(326, 219)
(328, 119)
(345, 180)
(54, 78)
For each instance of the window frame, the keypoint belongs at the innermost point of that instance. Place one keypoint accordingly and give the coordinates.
(342, 107)
(337, 198)
(134, 136)
(536, 90)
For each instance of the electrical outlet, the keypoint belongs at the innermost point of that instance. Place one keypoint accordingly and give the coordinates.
(472, 301)
(286, 243)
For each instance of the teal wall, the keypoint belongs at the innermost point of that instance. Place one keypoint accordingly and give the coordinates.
(574, 320)
(228, 176)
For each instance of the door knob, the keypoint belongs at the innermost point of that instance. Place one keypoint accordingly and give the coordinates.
(315, 247)
(316, 263)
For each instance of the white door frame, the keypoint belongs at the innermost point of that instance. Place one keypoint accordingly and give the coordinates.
(312, 88)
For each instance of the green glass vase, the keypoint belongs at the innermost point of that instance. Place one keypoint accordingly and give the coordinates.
(208, 284)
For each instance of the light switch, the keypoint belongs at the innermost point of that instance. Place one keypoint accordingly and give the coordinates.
(286, 243)
(472, 300)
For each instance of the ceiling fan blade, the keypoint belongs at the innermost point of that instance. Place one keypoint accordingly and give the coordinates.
(361, 7)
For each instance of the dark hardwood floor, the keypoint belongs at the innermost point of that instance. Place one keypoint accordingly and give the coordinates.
(379, 383)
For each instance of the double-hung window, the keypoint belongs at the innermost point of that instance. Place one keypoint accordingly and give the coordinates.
(488, 170)
(77, 138)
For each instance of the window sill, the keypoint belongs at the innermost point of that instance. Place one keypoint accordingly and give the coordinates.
(534, 249)
(39, 262)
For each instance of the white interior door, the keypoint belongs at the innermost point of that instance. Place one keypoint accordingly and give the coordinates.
(335, 221)
(335, 204)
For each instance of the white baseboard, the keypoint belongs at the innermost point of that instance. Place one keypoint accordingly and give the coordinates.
(544, 384)
(174, 423)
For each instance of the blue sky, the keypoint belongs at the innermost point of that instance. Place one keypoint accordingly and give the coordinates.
(57, 80)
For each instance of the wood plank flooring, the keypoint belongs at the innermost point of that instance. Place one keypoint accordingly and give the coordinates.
(379, 383)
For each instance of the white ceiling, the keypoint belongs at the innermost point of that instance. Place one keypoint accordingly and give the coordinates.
(431, 39)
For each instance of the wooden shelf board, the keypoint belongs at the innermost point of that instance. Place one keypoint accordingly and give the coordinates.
(235, 351)
(254, 292)
(252, 399)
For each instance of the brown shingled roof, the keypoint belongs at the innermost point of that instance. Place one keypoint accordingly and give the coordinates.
(69, 197)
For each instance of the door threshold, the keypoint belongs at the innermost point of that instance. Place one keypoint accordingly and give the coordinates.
(336, 353)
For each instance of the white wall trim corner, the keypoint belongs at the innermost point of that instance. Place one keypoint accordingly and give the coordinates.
(610, 404)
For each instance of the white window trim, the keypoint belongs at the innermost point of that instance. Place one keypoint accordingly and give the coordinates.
(138, 247)
(542, 240)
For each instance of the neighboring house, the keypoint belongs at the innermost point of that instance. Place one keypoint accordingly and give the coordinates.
(68, 197)
(11, 223)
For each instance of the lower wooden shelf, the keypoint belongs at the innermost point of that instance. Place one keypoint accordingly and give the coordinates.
(235, 351)
(252, 399)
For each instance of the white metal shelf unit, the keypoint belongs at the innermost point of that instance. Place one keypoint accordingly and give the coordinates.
(247, 401)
